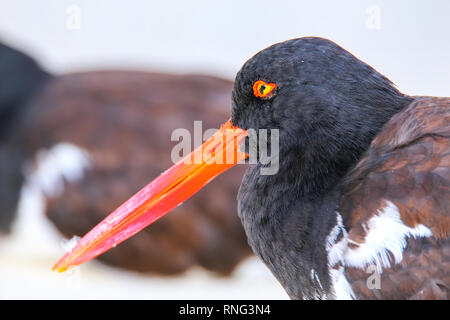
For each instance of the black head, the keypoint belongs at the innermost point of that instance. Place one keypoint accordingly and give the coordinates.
(324, 96)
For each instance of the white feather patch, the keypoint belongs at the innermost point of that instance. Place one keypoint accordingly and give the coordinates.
(386, 233)
(335, 249)
(314, 277)
(342, 290)
(62, 162)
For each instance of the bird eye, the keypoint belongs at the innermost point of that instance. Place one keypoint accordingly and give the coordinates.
(262, 89)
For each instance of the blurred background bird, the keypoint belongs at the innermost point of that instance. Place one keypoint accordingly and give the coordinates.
(92, 139)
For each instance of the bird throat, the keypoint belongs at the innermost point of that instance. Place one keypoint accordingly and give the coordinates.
(287, 218)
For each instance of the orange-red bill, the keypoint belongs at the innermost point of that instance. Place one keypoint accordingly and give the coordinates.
(175, 185)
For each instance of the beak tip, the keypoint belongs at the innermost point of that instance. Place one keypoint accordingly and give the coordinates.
(61, 266)
(58, 268)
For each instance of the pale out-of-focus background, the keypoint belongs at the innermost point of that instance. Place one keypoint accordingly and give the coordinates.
(408, 41)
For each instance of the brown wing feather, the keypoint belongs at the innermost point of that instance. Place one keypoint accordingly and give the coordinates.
(407, 164)
(424, 273)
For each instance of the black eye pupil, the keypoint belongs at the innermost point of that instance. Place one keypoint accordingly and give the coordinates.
(261, 89)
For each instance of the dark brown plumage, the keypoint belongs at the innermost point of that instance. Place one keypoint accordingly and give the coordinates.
(124, 121)
(408, 164)
(423, 274)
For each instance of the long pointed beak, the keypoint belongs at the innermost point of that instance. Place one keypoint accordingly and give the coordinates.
(175, 185)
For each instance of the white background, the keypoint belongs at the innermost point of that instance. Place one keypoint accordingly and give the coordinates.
(411, 46)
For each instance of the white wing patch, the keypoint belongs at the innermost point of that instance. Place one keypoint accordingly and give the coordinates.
(336, 255)
(341, 288)
(386, 234)
(62, 162)
(336, 249)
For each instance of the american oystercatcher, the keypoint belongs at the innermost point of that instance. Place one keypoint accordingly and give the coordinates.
(76, 131)
(359, 207)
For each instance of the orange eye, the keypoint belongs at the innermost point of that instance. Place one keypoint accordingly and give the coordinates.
(262, 89)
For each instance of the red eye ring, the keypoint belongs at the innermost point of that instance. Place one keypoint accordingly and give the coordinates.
(262, 89)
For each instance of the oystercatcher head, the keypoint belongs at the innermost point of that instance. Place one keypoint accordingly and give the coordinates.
(350, 144)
